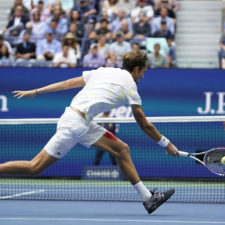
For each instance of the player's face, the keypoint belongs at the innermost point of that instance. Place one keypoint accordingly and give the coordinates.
(139, 73)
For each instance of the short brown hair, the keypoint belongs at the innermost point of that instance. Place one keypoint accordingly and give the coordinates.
(133, 59)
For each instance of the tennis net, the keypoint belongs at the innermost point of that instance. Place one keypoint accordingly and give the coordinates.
(75, 178)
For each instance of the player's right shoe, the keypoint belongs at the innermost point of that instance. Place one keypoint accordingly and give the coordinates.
(157, 199)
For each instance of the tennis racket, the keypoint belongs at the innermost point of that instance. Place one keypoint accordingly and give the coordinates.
(211, 159)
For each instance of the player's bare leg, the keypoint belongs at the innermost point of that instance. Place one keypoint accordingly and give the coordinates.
(151, 200)
(121, 151)
(33, 167)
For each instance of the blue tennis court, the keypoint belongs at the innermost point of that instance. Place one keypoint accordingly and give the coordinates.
(124, 213)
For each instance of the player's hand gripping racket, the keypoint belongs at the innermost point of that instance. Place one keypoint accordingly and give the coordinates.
(213, 159)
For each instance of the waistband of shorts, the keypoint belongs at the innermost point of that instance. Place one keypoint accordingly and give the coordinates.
(78, 112)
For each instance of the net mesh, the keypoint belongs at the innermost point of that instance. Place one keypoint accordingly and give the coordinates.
(75, 178)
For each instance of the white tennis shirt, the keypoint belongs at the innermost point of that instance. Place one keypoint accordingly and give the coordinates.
(105, 89)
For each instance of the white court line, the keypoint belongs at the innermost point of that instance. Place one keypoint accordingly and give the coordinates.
(110, 220)
(21, 194)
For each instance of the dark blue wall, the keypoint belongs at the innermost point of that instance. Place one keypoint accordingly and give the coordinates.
(164, 92)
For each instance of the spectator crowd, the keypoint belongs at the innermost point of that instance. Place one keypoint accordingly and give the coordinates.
(88, 33)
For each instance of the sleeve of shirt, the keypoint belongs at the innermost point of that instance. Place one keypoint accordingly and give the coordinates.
(86, 75)
(150, 11)
(133, 97)
(56, 58)
(72, 59)
(39, 49)
(57, 47)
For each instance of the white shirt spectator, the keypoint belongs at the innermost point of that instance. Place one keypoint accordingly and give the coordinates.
(127, 6)
(148, 10)
(39, 30)
(27, 3)
(71, 58)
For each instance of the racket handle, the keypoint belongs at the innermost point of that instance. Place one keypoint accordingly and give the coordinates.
(184, 154)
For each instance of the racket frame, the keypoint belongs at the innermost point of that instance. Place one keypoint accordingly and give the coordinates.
(192, 156)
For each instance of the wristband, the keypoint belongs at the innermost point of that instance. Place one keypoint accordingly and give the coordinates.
(163, 142)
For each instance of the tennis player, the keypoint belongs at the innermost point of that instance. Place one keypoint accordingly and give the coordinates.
(103, 89)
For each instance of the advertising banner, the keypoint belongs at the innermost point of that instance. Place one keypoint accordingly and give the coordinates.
(171, 92)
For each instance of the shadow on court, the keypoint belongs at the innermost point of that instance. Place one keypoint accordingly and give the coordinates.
(16, 212)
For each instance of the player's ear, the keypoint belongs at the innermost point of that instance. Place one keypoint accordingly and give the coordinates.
(136, 69)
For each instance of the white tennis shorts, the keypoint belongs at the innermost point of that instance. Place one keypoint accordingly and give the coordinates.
(73, 129)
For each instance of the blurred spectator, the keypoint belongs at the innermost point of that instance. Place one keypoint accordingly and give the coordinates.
(103, 15)
(31, 4)
(71, 40)
(67, 6)
(117, 23)
(58, 6)
(142, 28)
(127, 6)
(170, 12)
(171, 45)
(151, 2)
(112, 62)
(111, 7)
(6, 59)
(156, 59)
(97, 6)
(156, 22)
(222, 51)
(58, 34)
(16, 24)
(172, 53)
(93, 59)
(103, 47)
(77, 29)
(6, 43)
(16, 3)
(142, 7)
(173, 4)
(74, 16)
(66, 58)
(85, 9)
(28, 28)
(135, 46)
(127, 33)
(47, 48)
(61, 23)
(27, 4)
(44, 12)
(102, 31)
(76, 25)
(119, 47)
(163, 32)
(38, 27)
(25, 52)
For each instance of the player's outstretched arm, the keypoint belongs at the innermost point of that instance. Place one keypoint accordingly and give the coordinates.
(64, 85)
(150, 129)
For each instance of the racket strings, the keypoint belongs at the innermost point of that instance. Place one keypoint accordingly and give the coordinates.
(213, 158)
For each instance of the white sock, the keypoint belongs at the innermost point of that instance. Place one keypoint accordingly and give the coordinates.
(142, 191)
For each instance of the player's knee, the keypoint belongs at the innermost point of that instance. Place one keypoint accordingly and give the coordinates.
(124, 151)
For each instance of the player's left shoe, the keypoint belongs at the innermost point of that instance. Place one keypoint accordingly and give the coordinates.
(157, 199)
